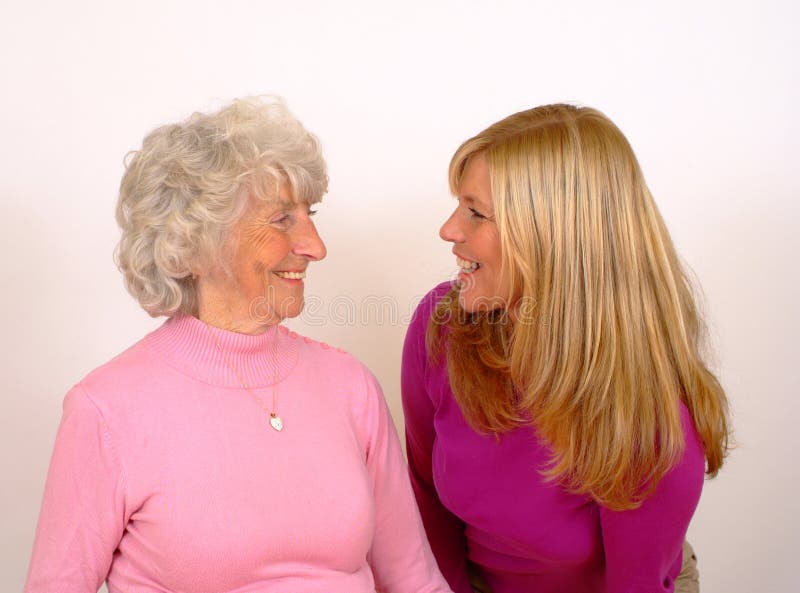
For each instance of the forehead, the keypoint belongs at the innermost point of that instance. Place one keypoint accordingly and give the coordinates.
(259, 203)
(475, 185)
(281, 191)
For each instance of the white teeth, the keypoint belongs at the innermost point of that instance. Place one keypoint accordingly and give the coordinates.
(291, 275)
(469, 266)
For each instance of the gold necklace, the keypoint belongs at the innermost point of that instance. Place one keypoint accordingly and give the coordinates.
(275, 421)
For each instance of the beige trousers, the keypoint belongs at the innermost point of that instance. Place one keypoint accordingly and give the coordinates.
(688, 580)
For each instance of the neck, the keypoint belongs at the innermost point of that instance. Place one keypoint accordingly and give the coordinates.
(210, 353)
(231, 315)
(233, 323)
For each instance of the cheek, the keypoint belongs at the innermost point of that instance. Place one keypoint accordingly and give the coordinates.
(264, 249)
(263, 242)
(258, 241)
(258, 269)
(485, 240)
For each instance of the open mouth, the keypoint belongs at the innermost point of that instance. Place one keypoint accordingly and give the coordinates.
(290, 275)
(466, 265)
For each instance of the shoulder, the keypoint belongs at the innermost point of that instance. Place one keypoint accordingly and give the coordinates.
(111, 394)
(680, 488)
(424, 311)
(329, 360)
(415, 347)
(690, 468)
(426, 306)
(684, 481)
(420, 372)
(123, 374)
(338, 369)
(344, 376)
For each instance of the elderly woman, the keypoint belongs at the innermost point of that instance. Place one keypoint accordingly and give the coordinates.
(223, 452)
(559, 417)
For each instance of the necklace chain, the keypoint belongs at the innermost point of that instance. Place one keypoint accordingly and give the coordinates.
(275, 421)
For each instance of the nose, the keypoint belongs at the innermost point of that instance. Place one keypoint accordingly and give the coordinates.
(450, 230)
(308, 243)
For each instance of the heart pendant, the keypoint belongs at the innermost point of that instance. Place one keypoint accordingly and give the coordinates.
(276, 422)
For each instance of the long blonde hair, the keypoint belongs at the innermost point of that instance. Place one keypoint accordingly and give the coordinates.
(607, 339)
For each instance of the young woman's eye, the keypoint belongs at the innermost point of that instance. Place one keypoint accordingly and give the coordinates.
(476, 214)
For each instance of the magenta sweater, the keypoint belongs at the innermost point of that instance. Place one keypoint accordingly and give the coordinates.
(166, 476)
(483, 499)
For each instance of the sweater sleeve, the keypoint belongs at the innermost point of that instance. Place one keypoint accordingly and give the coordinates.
(445, 531)
(400, 556)
(82, 515)
(643, 547)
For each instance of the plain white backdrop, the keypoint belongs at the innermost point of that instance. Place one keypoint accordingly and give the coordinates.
(706, 92)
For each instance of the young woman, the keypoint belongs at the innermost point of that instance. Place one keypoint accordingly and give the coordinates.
(559, 416)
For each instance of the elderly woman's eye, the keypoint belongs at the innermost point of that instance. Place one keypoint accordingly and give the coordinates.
(312, 212)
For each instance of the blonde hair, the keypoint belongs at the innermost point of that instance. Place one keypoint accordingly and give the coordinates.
(190, 183)
(608, 339)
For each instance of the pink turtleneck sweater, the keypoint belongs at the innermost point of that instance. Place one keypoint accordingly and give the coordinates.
(166, 476)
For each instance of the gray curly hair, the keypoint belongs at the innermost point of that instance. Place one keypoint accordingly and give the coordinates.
(190, 183)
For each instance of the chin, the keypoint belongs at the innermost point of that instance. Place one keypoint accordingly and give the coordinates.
(269, 313)
(480, 303)
(292, 310)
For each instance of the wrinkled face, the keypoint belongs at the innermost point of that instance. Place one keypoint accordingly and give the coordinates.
(272, 246)
(476, 241)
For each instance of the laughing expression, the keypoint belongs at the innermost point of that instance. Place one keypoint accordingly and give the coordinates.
(476, 241)
(272, 246)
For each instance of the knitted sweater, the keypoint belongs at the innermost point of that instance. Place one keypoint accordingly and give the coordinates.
(166, 475)
(484, 499)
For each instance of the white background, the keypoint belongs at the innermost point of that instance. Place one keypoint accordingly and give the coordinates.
(705, 91)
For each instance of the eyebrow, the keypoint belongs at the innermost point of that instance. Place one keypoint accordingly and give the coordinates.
(472, 200)
(282, 205)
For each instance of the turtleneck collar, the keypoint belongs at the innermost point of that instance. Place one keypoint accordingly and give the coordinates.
(222, 357)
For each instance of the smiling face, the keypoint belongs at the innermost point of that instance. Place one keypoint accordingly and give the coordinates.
(476, 241)
(272, 246)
